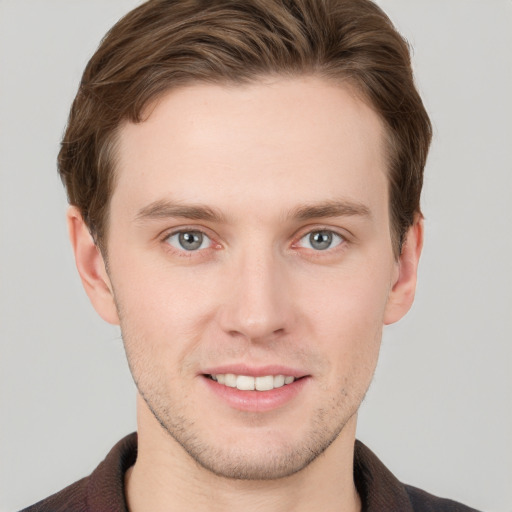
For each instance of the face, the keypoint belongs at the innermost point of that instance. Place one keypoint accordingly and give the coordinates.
(249, 247)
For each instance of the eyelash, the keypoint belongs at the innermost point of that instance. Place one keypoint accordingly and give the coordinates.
(183, 252)
(333, 235)
(201, 252)
(322, 255)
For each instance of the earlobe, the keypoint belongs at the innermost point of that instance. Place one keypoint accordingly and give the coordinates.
(91, 267)
(402, 292)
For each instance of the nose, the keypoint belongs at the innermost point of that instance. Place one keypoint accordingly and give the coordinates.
(257, 305)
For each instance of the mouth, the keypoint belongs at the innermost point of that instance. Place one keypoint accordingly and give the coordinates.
(250, 383)
(255, 390)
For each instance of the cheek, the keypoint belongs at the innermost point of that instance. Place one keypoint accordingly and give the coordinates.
(345, 317)
(164, 312)
(158, 295)
(346, 300)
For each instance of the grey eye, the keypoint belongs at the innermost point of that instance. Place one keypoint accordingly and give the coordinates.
(189, 240)
(321, 240)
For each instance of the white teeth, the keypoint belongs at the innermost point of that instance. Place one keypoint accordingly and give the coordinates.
(229, 380)
(248, 383)
(245, 383)
(279, 381)
(264, 383)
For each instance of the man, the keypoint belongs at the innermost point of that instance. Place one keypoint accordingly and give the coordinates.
(244, 181)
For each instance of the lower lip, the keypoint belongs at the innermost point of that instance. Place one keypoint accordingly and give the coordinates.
(256, 401)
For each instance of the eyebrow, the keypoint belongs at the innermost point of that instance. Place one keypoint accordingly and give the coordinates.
(333, 208)
(162, 209)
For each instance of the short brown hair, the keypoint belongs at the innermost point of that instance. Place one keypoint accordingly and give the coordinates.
(163, 44)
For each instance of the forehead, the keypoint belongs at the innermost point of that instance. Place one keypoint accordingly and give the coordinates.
(274, 142)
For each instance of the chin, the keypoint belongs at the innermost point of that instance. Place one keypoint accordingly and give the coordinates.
(251, 463)
(250, 456)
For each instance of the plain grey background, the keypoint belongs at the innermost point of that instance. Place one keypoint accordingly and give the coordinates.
(439, 410)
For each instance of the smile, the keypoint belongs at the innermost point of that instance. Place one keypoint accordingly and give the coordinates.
(248, 383)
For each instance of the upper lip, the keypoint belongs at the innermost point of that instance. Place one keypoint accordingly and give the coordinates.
(255, 371)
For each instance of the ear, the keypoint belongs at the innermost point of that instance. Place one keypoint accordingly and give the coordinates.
(402, 293)
(91, 267)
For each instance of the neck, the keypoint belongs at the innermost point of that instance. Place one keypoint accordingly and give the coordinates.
(166, 478)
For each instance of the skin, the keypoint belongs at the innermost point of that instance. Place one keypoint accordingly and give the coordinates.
(264, 157)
